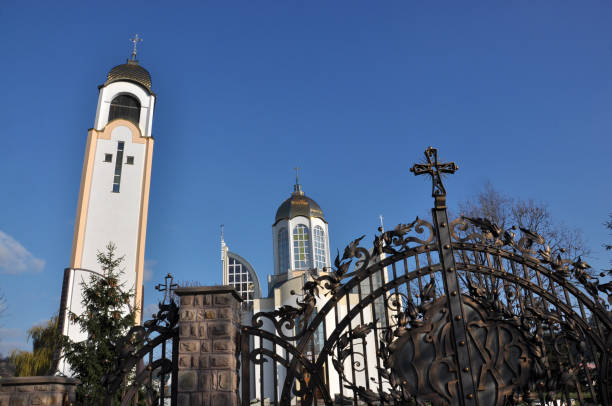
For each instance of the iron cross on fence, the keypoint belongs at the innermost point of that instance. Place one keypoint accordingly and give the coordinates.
(435, 169)
(167, 287)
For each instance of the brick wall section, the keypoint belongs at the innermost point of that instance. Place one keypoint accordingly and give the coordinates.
(37, 390)
(209, 322)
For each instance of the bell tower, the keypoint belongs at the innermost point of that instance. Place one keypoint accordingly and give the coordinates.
(300, 235)
(114, 191)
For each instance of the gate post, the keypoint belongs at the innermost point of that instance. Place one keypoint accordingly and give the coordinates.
(209, 322)
(463, 365)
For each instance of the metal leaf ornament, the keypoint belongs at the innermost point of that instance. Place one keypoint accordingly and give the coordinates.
(532, 237)
(428, 291)
(351, 250)
(492, 230)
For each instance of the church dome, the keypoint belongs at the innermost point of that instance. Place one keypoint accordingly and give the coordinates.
(132, 72)
(298, 205)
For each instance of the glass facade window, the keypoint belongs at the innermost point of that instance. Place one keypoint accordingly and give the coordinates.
(318, 235)
(108, 157)
(283, 250)
(240, 278)
(301, 247)
(125, 106)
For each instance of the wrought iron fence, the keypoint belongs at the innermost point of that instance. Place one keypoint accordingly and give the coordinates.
(147, 370)
(437, 313)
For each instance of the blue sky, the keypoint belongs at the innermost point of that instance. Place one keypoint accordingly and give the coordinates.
(518, 93)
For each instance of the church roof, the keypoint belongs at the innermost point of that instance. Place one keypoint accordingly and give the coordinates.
(132, 72)
(298, 205)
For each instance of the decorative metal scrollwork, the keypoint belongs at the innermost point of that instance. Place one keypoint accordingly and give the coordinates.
(513, 354)
(288, 319)
(532, 246)
(138, 342)
(513, 322)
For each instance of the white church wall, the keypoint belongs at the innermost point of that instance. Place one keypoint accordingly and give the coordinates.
(262, 375)
(74, 295)
(114, 216)
(367, 364)
(282, 296)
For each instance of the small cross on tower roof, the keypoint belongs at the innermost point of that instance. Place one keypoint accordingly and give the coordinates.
(435, 169)
(297, 188)
(135, 41)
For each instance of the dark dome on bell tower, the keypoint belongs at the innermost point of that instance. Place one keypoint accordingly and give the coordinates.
(130, 71)
(298, 205)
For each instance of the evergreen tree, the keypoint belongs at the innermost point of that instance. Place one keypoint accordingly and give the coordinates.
(45, 339)
(106, 318)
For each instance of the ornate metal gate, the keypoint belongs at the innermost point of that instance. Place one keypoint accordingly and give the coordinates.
(437, 313)
(144, 368)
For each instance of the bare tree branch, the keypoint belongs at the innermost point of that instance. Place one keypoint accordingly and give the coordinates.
(506, 211)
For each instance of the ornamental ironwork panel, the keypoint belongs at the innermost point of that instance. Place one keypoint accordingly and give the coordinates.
(148, 358)
(437, 312)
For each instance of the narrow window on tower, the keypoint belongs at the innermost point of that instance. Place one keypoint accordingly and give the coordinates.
(118, 164)
(319, 247)
(301, 247)
(283, 250)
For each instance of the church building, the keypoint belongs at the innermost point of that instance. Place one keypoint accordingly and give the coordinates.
(300, 246)
(113, 207)
(300, 242)
(114, 192)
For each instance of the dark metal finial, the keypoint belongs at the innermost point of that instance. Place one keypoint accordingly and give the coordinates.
(435, 169)
(135, 41)
(167, 287)
(297, 188)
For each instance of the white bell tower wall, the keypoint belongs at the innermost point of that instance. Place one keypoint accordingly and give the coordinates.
(113, 202)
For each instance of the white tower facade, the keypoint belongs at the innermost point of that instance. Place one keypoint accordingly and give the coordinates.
(114, 191)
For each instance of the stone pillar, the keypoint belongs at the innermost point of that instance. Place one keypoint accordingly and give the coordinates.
(37, 390)
(209, 323)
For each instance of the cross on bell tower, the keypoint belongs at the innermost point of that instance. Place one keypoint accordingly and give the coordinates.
(435, 169)
(297, 188)
(135, 41)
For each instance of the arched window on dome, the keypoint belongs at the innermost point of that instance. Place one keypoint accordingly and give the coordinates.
(283, 250)
(318, 235)
(301, 247)
(125, 106)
